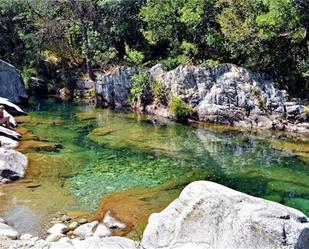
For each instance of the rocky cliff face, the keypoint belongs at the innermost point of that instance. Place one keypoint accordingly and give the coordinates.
(11, 83)
(224, 94)
(114, 89)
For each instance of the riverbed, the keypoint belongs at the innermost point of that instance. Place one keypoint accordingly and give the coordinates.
(97, 152)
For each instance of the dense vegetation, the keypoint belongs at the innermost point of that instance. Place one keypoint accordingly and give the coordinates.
(63, 39)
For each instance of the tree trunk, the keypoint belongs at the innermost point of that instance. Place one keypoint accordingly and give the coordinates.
(86, 48)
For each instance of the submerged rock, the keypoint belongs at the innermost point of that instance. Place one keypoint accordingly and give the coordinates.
(208, 215)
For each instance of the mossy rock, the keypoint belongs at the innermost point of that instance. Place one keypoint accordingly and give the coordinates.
(86, 115)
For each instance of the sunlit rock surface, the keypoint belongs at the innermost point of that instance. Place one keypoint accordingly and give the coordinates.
(13, 164)
(207, 215)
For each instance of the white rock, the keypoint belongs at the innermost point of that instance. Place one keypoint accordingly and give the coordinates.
(34, 239)
(117, 243)
(102, 231)
(8, 231)
(62, 245)
(58, 228)
(105, 243)
(86, 230)
(73, 225)
(8, 143)
(26, 236)
(208, 215)
(54, 237)
(2, 221)
(9, 133)
(13, 163)
(65, 240)
(4, 101)
(111, 222)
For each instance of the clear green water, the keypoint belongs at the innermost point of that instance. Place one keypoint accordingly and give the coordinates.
(133, 150)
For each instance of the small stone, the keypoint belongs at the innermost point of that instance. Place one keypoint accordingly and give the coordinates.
(65, 240)
(102, 231)
(26, 236)
(62, 245)
(86, 230)
(73, 225)
(34, 239)
(65, 218)
(2, 221)
(82, 220)
(111, 222)
(54, 237)
(58, 229)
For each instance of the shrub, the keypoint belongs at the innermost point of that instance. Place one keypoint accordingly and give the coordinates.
(180, 109)
(133, 57)
(140, 90)
(172, 62)
(158, 91)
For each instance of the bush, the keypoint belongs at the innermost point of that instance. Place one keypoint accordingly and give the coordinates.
(140, 90)
(180, 109)
(133, 57)
(158, 91)
(172, 62)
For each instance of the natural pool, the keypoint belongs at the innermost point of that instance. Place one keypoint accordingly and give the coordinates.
(101, 152)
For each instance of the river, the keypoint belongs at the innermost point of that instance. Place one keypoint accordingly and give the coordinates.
(99, 151)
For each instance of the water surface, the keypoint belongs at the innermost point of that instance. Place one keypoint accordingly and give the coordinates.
(101, 151)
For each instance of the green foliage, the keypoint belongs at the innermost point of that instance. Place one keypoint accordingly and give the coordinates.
(180, 109)
(140, 87)
(65, 39)
(26, 78)
(172, 62)
(158, 91)
(133, 57)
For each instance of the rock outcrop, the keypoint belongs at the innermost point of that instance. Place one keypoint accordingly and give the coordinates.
(11, 83)
(114, 89)
(232, 95)
(210, 216)
(224, 94)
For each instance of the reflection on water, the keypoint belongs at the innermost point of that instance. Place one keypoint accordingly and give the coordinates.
(103, 152)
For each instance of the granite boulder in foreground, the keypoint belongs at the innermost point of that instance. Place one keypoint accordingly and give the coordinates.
(210, 216)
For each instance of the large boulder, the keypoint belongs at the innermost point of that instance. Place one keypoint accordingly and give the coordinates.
(114, 88)
(13, 164)
(11, 83)
(210, 216)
